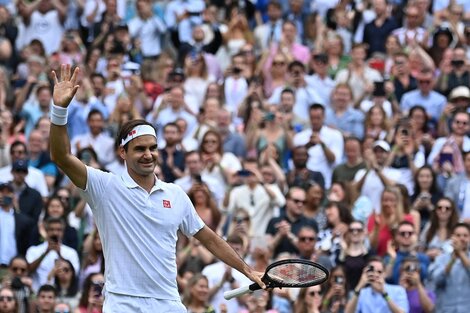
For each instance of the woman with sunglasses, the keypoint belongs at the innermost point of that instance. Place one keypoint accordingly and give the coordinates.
(309, 300)
(219, 165)
(436, 235)
(65, 280)
(354, 253)
(91, 300)
(8, 303)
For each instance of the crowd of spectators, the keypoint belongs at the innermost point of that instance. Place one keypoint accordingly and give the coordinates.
(328, 130)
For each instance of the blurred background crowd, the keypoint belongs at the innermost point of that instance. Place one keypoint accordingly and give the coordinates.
(329, 130)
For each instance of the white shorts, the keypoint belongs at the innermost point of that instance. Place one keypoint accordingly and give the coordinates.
(118, 303)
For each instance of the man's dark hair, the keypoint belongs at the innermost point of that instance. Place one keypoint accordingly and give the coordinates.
(18, 257)
(97, 75)
(275, 4)
(376, 258)
(127, 127)
(47, 288)
(287, 90)
(461, 224)
(54, 220)
(294, 64)
(93, 112)
(17, 143)
(190, 153)
(317, 106)
(352, 138)
(170, 125)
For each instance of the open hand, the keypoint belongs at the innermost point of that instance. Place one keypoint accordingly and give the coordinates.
(65, 87)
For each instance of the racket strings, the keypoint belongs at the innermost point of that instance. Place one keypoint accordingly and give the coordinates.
(296, 274)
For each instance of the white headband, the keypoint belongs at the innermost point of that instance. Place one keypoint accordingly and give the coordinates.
(137, 131)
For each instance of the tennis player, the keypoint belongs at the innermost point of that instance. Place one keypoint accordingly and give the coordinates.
(137, 215)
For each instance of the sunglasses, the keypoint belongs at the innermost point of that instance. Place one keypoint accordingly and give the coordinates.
(275, 63)
(443, 208)
(19, 269)
(298, 201)
(210, 141)
(424, 81)
(314, 293)
(461, 122)
(406, 234)
(306, 239)
(6, 298)
(356, 230)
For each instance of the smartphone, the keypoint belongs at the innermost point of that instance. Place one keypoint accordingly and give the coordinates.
(339, 280)
(244, 173)
(97, 289)
(379, 89)
(54, 239)
(269, 116)
(446, 157)
(411, 268)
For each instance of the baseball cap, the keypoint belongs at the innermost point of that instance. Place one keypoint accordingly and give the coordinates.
(382, 144)
(460, 92)
(20, 165)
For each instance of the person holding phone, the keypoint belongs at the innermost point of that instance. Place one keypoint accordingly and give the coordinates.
(372, 294)
(91, 300)
(421, 299)
(42, 258)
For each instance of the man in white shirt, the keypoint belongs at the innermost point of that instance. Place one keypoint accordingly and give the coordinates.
(42, 258)
(372, 180)
(35, 178)
(325, 144)
(270, 31)
(96, 138)
(148, 28)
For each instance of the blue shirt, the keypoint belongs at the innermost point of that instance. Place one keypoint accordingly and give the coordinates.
(434, 102)
(352, 121)
(452, 290)
(423, 262)
(372, 302)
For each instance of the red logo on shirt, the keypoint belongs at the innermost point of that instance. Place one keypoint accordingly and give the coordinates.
(166, 204)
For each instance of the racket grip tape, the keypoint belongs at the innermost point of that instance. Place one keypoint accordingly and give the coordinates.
(240, 291)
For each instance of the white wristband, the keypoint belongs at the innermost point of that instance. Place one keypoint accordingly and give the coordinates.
(58, 115)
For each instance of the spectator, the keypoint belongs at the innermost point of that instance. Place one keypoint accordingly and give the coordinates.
(65, 280)
(372, 294)
(92, 298)
(359, 76)
(403, 245)
(41, 258)
(306, 241)
(20, 283)
(196, 295)
(372, 180)
(46, 297)
(222, 278)
(459, 75)
(421, 299)
(319, 79)
(335, 296)
(300, 175)
(29, 199)
(380, 225)
(403, 81)
(96, 138)
(354, 254)
(8, 302)
(233, 142)
(431, 100)
(420, 128)
(436, 235)
(256, 197)
(325, 144)
(342, 115)
(449, 272)
(171, 156)
(283, 230)
(354, 161)
(412, 33)
(92, 256)
(15, 227)
(425, 194)
(377, 31)
(344, 193)
(54, 208)
(205, 205)
(309, 300)
(456, 189)
(337, 60)
(459, 100)
(314, 204)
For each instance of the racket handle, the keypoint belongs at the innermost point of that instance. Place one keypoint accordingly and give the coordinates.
(240, 291)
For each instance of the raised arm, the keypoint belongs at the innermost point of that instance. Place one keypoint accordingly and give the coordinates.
(64, 90)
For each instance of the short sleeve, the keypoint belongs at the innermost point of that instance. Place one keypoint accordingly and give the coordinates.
(191, 222)
(96, 186)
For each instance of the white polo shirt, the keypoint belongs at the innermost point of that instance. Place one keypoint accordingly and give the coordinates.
(139, 232)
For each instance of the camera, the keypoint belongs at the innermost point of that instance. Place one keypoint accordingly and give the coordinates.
(339, 280)
(97, 289)
(411, 268)
(370, 269)
(55, 239)
(405, 132)
(269, 116)
(236, 70)
(16, 283)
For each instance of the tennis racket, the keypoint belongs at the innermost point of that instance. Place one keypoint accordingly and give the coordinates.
(290, 273)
